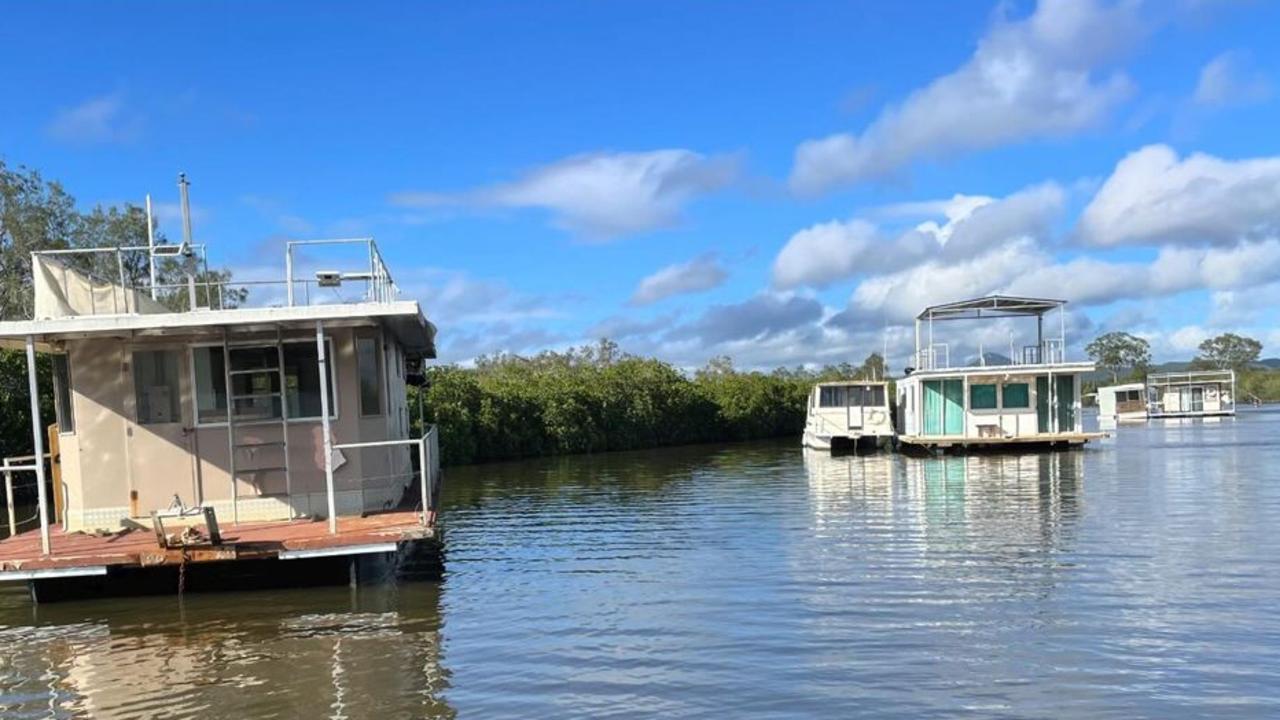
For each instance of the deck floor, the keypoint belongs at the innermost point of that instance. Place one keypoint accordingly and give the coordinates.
(944, 441)
(243, 542)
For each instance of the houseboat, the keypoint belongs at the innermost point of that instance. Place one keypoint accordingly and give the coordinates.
(848, 416)
(1030, 400)
(192, 442)
(1126, 403)
(1191, 394)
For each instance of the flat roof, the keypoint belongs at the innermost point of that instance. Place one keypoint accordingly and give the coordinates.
(991, 306)
(988, 370)
(403, 318)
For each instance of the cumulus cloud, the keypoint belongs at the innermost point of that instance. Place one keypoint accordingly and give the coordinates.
(701, 273)
(762, 316)
(601, 196)
(1230, 79)
(832, 251)
(1040, 76)
(103, 119)
(1153, 197)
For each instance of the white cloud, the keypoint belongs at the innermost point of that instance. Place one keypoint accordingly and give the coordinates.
(1030, 78)
(699, 274)
(1152, 197)
(103, 119)
(827, 252)
(1230, 79)
(602, 195)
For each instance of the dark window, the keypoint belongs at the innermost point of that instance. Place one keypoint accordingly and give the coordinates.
(255, 382)
(831, 396)
(155, 386)
(62, 394)
(1017, 395)
(369, 365)
(982, 397)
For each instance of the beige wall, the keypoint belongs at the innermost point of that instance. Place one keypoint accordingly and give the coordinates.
(113, 466)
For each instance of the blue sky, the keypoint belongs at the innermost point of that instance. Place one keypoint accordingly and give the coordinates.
(784, 183)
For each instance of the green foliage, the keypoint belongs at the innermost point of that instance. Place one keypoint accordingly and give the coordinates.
(595, 399)
(1229, 351)
(1116, 351)
(1258, 385)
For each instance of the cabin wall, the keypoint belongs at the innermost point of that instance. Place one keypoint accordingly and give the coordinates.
(114, 467)
(1012, 421)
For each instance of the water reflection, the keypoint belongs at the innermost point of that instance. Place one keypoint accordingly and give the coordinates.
(330, 653)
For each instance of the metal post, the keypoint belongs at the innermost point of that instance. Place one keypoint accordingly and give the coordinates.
(1040, 338)
(426, 490)
(120, 274)
(151, 249)
(37, 435)
(324, 427)
(186, 234)
(284, 420)
(8, 497)
(231, 427)
(288, 272)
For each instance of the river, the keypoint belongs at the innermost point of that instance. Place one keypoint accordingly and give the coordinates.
(1137, 578)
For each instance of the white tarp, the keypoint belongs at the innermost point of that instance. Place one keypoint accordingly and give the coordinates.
(62, 291)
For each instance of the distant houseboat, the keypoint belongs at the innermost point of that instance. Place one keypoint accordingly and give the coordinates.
(848, 416)
(1033, 399)
(216, 435)
(1124, 403)
(1192, 394)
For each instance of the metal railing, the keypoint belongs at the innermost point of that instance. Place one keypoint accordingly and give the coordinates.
(938, 356)
(381, 287)
(8, 468)
(428, 464)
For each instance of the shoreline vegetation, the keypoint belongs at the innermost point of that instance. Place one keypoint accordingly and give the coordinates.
(595, 399)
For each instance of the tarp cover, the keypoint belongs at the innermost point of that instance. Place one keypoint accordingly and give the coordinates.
(62, 291)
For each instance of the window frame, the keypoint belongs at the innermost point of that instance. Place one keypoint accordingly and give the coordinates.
(176, 399)
(65, 395)
(995, 396)
(1004, 405)
(379, 369)
(331, 358)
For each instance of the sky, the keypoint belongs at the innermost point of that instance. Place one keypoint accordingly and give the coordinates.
(781, 183)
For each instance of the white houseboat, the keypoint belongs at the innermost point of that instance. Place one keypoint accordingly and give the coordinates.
(1032, 400)
(1191, 394)
(1124, 403)
(848, 415)
(281, 431)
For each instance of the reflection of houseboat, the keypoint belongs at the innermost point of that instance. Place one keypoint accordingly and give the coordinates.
(848, 415)
(1209, 393)
(1122, 403)
(1032, 400)
(251, 423)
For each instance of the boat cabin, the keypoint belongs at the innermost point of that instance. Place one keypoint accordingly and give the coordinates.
(847, 414)
(1032, 397)
(194, 396)
(1122, 403)
(1192, 394)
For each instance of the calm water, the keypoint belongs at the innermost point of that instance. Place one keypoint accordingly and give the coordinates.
(1139, 578)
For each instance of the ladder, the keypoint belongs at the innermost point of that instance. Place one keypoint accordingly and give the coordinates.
(278, 395)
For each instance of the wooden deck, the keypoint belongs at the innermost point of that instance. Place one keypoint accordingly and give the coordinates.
(996, 442)
(75, 554)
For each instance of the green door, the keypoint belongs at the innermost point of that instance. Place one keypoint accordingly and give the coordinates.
(1042, 404)
(953, 407)
(1066, 398)
(932, 407)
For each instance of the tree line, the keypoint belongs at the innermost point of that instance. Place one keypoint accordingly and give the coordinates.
(1128, 357)
(595, 399)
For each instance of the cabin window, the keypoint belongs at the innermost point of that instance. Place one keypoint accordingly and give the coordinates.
(369, 365)
(255, 382)
(982, 397)
(867, 395)
(62, 394)
(1016, 395)
(831, 396)
(155, 386)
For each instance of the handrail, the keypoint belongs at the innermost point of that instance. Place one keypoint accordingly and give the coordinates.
(428, 465)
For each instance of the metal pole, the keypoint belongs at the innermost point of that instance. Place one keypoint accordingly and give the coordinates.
(186, 233)
(37, 435)
(8, 497)
(151, 249)
(231, 431)
(324, 427)
(288, 272)
(120, 273)
(426, 490)
(284, 420)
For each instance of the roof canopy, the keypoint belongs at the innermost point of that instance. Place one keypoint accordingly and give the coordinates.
(992, 306)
